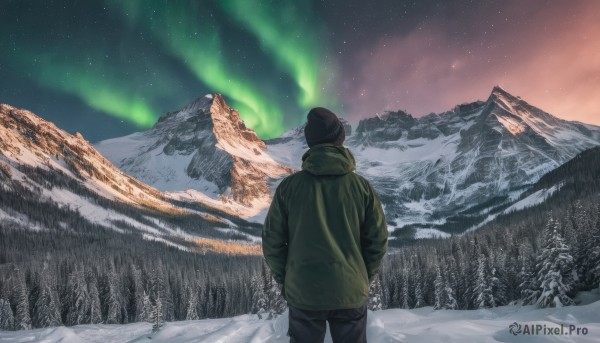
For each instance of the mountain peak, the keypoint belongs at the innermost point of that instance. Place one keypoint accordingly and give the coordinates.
(499, 93)
(508, 102)
(205, 146)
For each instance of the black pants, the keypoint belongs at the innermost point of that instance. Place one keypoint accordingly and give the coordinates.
(347, 326)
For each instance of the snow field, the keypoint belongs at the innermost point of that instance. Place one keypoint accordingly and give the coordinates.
(395, 325)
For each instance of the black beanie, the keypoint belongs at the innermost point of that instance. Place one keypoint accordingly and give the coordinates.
(323, 126)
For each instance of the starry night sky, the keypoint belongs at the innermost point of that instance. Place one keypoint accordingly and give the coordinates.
(109, 68)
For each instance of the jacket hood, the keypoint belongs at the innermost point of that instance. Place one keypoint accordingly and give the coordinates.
(328, 159)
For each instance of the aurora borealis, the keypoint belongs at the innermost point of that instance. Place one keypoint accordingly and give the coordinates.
(108, 67)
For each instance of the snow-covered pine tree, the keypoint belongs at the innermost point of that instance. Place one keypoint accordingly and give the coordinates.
(157, 315)
(95, 312)
(511, 273)
(419, 297)
(472, 274)
(450, 302)
(7, 320)
(375, 295)
(593, 276)
(482, 291)
(156, 299)
(450, 284)
(528, 288)
(46, 308)
(555, 269)
(77, 298)
(136, 293)
(111, 299)
(393, 296)
(498, 288)
(438, 291)
(405, 290)
(267, 298)
(145, 311)
(277, 304)
(259, 298)
(22, 318)
(165, 292)
(577, 226)
(192, 297)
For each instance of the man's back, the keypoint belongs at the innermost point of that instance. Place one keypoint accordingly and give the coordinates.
(333, 220)
(324, 237)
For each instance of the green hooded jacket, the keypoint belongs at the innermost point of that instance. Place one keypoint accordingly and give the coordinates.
(325, 234)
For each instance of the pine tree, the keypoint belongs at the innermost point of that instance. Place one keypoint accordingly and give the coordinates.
(95, 314)
(405, 291)
(578, 232)
(136, 293)
(157, 314)
(450, 296)
(7, 321)
(593, 255)
(375, 295)
(472, 274)
(555, 269)
(111, 299)
(22, 317)
(192, 311)
(259, 298)
(47, 306)
(438, 292)
(156, 297)
(482, 290)
(528, 287)
(278, 305)
(511, 275)
(145, 312)
(77, 298)
(419, 298)
(498, 288)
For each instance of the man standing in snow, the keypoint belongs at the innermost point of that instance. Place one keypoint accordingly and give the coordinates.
(324, 237)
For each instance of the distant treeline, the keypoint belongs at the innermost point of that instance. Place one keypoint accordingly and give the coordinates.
(542, 256)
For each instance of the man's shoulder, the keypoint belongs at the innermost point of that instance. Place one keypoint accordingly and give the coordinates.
(301, 176)
(286, 181)
(363, 180)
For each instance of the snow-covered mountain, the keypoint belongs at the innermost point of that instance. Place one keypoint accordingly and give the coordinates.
(447, 171)
(203, 151)
(59, 181)
(444, 171)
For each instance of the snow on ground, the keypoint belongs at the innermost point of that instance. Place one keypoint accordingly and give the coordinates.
(395, 325)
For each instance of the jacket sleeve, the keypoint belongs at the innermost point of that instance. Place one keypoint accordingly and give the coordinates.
(275, 237)
(373, 235)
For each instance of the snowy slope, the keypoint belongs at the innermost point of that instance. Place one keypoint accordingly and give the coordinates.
(26, 139)
(204, 147)
(42, 164)
(395, 325)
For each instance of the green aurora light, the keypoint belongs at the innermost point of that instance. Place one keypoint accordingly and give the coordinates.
(93, 84)
(199, 48)
(291, 41)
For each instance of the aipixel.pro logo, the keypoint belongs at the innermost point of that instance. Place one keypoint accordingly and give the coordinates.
(543, 329)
